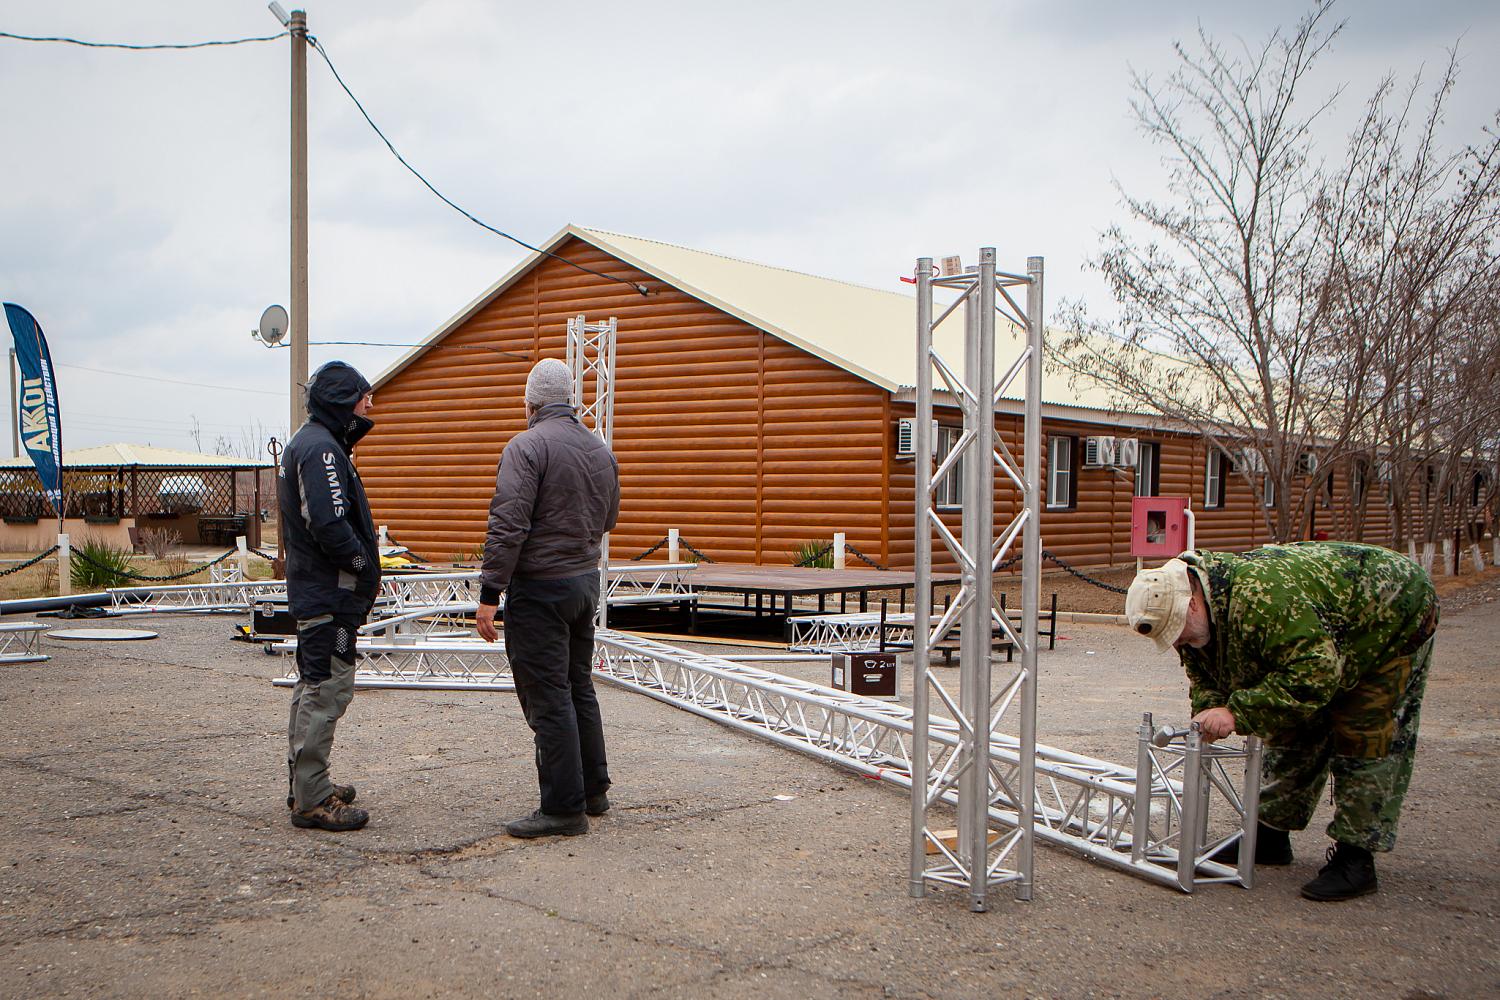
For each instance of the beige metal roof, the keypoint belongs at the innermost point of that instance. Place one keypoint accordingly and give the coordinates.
(870, 332)
(115, 456)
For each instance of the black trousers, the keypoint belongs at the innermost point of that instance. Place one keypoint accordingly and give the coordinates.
(549, 639)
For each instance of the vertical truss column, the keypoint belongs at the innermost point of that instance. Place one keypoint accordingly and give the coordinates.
(591, 353)
(980, 859)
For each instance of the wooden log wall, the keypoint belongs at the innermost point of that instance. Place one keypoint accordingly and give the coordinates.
(746, 444)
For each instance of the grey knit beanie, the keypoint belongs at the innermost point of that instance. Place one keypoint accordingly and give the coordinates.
(549, 382)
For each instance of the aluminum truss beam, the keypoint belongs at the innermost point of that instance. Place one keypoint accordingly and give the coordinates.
(1132, 821)
(418, 662)
(591, 357)
(844, 633)
(979, 862)
(21, 642)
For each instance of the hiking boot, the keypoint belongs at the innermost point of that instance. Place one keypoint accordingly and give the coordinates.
(540, 824)
(331, 814)
(344, 793)
(596, 805)
(1350, 872)
(1272, 847)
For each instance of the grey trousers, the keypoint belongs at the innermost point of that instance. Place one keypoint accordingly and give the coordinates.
(325, 686)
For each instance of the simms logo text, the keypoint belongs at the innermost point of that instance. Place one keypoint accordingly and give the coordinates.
(335, 489)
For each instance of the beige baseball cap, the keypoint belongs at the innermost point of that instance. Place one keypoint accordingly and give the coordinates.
(1156, 605)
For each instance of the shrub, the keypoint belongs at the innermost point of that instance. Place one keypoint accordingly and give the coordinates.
(159, 541)
(96, 564)
(813, 553)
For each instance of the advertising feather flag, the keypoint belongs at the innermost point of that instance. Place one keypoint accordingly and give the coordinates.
(40, 427)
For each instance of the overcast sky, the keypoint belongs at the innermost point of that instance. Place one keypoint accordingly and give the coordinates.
(144, 203)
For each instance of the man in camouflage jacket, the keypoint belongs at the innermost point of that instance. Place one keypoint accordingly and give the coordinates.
(1322, 650)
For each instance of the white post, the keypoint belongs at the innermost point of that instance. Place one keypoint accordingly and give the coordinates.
(1427, 556)
(1447, 557)
(385, 535)
(671, 545)
(838, 550)
(1477, 555)
(243, 556)
(64, 565)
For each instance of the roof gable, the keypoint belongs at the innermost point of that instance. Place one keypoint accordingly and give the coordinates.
(868, 332)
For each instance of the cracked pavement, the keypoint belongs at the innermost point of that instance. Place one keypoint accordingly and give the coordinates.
(146, 852)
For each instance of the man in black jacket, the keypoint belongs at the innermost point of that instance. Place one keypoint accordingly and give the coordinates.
(557, 492)
(332, 576)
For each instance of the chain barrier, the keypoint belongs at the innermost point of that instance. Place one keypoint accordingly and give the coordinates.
(1081, 575)
(664, 539)
(145, 578)
(264, 555)
(28, 563)
(863, 558)
(689, 546)
(1049, 556)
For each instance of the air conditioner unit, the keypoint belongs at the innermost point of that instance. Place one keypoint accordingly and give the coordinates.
(1127, 452)
(906, 437)
(1098, 452)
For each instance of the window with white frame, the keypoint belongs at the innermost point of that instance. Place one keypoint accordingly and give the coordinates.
(1359, 481)
(1215, 477)
(1270, 491)
(948, 491)
(1062, 485)
(1148, 469)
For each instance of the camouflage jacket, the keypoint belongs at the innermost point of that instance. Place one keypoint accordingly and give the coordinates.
(1294, 626)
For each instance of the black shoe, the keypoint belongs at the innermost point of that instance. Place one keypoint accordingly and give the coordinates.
(1350, 872)
(1272, 847)
(596, 805)
(539, 824)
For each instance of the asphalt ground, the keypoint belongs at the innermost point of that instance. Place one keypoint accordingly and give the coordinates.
(146, 852)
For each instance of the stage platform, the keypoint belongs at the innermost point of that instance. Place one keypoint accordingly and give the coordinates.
(769, 595)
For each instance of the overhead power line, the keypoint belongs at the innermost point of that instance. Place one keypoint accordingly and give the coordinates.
(318, 46)
(173, 381)
(140, 48)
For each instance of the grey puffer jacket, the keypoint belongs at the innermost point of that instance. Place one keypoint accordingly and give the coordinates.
(557, 492)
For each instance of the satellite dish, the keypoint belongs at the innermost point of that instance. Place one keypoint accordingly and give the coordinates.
(273, 325)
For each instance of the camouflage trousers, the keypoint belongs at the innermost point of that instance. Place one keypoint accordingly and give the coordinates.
(1367, 741)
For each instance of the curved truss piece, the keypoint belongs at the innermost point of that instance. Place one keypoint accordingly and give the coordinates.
(21, 642)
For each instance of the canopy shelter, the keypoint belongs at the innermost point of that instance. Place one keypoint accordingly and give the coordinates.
(114, 491)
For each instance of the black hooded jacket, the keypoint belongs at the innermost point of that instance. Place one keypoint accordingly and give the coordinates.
(332, 555)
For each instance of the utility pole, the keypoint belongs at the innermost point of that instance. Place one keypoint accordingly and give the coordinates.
(297, 334)
(15, 410)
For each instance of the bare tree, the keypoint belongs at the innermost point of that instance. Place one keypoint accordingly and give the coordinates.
(1278, 306)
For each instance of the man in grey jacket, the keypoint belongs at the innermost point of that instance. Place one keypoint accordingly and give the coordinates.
(557, 492)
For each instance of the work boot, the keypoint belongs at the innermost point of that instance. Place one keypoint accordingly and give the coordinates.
(1350, 872)
(540, 824)
(1272, 847)
(596, 805)
(344, 793)
(331, 814)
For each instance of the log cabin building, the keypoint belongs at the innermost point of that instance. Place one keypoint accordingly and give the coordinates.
(756, 409)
